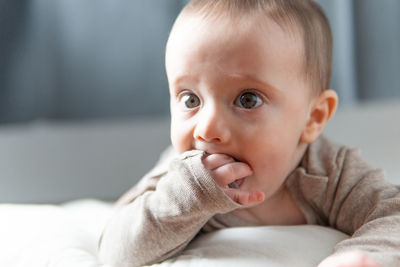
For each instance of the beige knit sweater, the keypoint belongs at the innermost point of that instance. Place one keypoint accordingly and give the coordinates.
(332, 186)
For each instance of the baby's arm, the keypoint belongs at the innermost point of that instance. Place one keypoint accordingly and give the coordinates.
(368, 208)
(159, 223)
(334, 186)
(344, 192)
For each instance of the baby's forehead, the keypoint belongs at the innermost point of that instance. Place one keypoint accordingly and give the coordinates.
(230, 21)
(259, 19)
(244, 28)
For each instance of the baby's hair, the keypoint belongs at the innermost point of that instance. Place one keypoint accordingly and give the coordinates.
(304, 16)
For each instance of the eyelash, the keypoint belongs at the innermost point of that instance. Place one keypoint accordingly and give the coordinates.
(186, 93)
(260, 99)
(195, 101)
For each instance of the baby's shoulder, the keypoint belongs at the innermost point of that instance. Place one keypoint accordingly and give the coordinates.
(325, 156)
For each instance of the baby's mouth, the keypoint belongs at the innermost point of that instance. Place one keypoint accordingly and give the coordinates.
(236, 184)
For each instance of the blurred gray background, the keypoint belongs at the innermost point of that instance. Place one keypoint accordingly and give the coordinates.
(84, 97)
(91, 59)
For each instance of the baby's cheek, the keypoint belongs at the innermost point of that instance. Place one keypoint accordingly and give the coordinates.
(181, 140)
(178, 145)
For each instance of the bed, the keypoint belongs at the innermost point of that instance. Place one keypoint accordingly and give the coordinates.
(59, 181)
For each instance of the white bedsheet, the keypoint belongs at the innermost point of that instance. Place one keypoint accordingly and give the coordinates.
(67, 235)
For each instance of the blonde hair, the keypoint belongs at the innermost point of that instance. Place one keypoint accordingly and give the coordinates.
(304, 16)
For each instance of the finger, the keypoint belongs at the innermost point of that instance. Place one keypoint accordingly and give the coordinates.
(213, 161)
(245, 197)
(231, 172)
(349, 259)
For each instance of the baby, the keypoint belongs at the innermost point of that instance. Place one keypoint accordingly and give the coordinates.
(248, 85)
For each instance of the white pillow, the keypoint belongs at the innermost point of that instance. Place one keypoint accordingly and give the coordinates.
(275, 246)
(67, 235)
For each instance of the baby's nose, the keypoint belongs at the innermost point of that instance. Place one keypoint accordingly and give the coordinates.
(212, 126)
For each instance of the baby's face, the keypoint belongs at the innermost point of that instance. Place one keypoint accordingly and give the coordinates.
(238, 89)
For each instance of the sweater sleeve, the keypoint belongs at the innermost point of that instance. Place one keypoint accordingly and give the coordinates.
(335, 187)
(163, 214)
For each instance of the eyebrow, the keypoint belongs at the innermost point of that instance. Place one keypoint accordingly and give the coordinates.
(183, 78)
(255, 79)
(246, 76)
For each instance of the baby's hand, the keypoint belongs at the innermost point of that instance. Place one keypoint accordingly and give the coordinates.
(349, 259)
(225, 171)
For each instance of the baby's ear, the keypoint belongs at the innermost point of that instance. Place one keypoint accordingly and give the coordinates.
(323, 108)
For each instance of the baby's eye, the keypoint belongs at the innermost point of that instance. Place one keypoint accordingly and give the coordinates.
(248, 100)
(190, 100)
